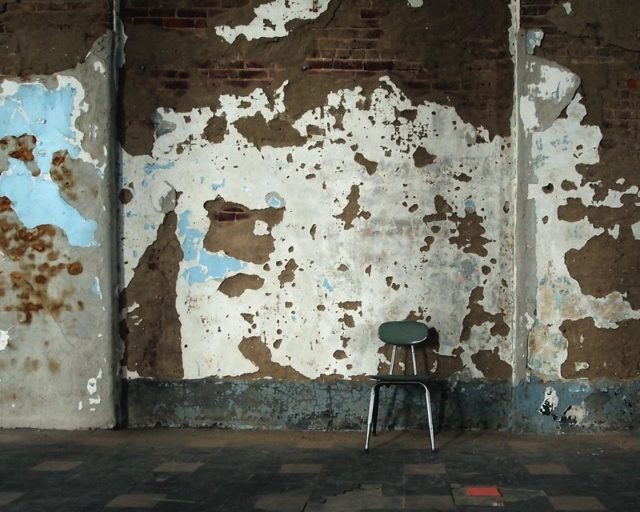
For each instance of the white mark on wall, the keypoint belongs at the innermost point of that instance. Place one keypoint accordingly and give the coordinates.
(4, 339)
(271, 19)
(567, 7)
(547, 87)
(415, 3)
(550, 401)
(581, 365)
(92, 390)
(378, 261)
(533, 39)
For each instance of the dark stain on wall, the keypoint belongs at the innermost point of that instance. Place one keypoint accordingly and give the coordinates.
(236, 285)
(256, 351)
(490, 364)
(606, 264)
(176, 60)
(215, 130)
(469, 228)
(34, 261)
(276, 133)
(151, 325)
(65, 32)
(612, 353)
(352, 210)
(232, 230)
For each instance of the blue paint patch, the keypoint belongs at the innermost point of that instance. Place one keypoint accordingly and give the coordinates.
(46, 114)
(219, 265)
(208, 265)
(151, 168)
(37, 201)
(216, 186)
(274, 200)
(469, 205)
(327, 284)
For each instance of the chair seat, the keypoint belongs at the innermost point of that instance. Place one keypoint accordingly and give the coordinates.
(400, 379)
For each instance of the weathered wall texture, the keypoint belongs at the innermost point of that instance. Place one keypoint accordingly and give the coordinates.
(579, 115)
(285, 189)
(56, 343)
(294, 172)
(291, 178)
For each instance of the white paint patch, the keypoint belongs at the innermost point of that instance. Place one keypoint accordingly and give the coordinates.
(98, 67)
(4, 339)
(415, 3)
(581, 365)
(533, 39)
(530, 321)
(577, 414)
(271, 19)
(261, 228)
(550, 402)
(567, 7)
(92, 389)
(636, 230)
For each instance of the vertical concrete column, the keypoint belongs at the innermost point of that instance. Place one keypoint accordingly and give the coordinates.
(57, 246)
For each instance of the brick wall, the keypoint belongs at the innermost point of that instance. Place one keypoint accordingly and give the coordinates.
(176, 58)
(41, 37)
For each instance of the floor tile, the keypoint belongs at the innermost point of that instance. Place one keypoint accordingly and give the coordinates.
(178, 467)
(428, 502)
(576, 503)
(547, 469)
(8, 497)
(300, 469)
(284, 502)
(57, 465)
(425, 469)
(135, 501)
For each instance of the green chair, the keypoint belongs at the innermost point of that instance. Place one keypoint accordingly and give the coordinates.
(404, 334)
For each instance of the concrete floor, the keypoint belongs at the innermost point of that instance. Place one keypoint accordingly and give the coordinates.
(208, 470)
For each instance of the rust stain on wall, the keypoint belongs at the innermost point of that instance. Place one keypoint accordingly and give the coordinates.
(352, 210)
(236, 285)
(232, 230)
(601, 353)
(151, 327)
(255, 350)
(78, 183)
(20, 148)
(34, 261)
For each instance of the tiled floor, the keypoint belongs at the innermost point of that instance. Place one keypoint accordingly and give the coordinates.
(208, 470)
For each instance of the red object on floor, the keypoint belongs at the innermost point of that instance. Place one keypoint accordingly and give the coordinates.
(492, 492)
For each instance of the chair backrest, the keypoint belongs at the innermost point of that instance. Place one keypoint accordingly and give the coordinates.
(403, 332)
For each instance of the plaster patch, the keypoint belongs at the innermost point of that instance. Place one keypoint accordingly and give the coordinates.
(271, 19)
(549, 403)
(567, 7)
(4, 339)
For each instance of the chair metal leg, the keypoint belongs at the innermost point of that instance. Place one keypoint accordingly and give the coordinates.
(430, 418)
(376, 401)
(370, 418)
